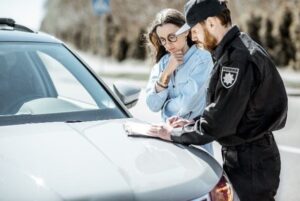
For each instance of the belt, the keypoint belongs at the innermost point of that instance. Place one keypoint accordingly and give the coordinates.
(266, 139)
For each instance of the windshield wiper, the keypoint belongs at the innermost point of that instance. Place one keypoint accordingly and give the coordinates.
(73, 121)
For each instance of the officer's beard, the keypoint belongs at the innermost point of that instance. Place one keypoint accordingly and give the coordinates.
(210, 41)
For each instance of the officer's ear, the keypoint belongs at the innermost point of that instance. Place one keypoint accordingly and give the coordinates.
(211, 23)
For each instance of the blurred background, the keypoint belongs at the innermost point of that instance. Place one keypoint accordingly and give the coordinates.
(108, 35)
(118, 33)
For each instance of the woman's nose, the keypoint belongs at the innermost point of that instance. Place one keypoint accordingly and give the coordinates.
(169, 44)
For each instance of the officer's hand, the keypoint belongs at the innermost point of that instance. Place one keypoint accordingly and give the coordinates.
(162, 131)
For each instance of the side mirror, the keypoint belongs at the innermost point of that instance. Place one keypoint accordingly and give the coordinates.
(128, 94)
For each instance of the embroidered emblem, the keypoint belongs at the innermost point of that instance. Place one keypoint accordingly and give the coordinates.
(229, 76)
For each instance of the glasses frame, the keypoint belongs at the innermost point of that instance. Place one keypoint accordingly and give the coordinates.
(172, 38)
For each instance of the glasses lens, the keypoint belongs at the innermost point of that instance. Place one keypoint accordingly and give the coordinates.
(172, 38)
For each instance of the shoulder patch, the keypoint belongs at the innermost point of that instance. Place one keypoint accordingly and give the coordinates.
(229, 76)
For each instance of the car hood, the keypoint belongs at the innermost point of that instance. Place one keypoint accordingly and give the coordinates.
(98, 161)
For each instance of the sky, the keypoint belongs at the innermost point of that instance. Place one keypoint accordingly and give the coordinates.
(26, 12)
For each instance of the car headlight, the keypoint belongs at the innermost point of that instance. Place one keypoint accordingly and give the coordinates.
(223, 191)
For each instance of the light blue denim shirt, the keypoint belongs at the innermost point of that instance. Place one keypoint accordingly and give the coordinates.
(186, 92)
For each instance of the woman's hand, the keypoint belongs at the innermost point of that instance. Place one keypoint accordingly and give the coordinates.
(176, 59)
(176, 121)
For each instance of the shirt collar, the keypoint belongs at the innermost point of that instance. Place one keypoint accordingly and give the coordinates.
(189, 53)
(229, 36)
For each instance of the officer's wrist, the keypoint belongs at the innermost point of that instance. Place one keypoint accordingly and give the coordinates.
(182, 130)
(177, 132)
(197, 127)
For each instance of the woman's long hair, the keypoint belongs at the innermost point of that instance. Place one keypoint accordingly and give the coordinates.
(165, 16)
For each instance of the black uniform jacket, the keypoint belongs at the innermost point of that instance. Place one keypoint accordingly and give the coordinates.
(246, 96)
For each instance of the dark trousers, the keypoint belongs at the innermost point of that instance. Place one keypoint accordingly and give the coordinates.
(253, 168)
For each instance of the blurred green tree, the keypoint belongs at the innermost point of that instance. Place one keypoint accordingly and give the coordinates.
(139, 50)
(253, 26)
(296, 64)
(122, 47)
(270, 40)
(286, 50)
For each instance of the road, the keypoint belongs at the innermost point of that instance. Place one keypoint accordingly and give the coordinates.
(288, 140)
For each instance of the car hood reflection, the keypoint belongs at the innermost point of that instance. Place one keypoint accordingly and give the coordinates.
(97, 160)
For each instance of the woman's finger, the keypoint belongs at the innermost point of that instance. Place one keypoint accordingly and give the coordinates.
(172, 119)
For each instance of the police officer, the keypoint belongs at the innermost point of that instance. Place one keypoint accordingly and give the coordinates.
(246, 102)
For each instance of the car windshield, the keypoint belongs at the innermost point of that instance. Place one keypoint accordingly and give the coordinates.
(42, 82)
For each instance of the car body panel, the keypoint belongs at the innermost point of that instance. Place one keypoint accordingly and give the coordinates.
(96, 160)
(20, 36)
(64, 160)
(69, 154)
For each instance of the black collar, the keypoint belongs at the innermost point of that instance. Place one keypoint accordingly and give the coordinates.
(229, 36)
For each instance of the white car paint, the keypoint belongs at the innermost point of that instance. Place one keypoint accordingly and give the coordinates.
(98, 161)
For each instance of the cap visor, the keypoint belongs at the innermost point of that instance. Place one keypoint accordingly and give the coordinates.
(183, 29)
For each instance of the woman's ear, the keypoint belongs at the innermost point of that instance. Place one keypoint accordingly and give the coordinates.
(186, 33)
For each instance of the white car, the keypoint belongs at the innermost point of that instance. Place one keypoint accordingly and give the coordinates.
(62, 136)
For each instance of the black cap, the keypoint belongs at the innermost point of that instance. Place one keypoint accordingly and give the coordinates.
(198, 10)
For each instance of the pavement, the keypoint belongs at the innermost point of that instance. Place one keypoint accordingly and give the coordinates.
(291, 80)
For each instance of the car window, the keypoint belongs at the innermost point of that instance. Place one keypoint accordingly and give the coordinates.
(45, 79)
(66, 85)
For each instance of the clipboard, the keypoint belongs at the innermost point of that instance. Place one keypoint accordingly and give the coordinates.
(138, 129)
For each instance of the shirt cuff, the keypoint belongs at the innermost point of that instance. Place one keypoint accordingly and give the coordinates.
(189, 128)
(161, 94)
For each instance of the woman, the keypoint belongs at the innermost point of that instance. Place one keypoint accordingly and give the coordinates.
(178, 81)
